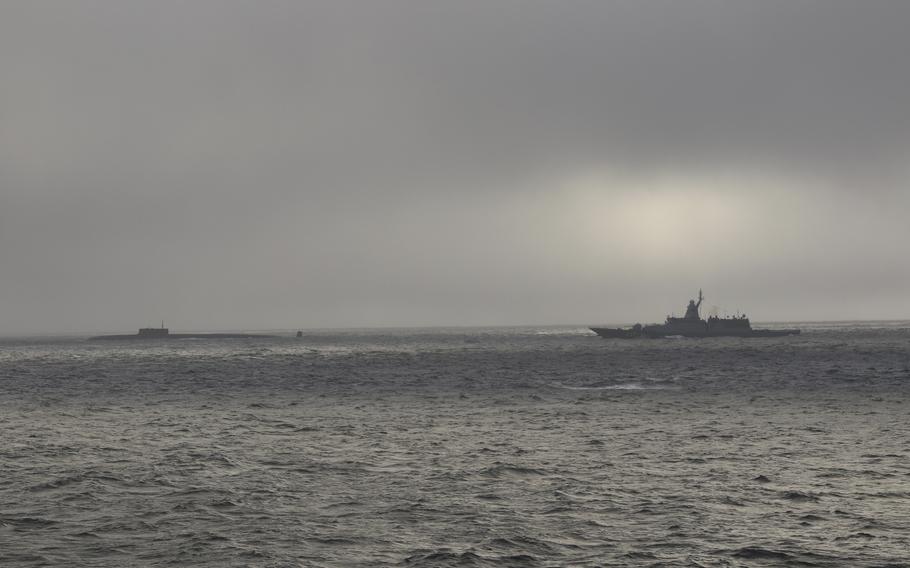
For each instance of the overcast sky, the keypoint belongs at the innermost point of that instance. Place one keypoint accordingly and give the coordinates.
(228, 165)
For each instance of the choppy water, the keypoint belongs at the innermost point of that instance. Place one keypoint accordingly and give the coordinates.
(466, 447)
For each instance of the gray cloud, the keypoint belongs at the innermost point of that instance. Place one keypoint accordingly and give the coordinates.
(229, 164)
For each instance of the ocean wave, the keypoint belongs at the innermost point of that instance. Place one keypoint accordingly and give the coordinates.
(509, 470)
(445, 558)
(619, 387)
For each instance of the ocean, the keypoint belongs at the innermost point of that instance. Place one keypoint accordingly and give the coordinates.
(535, 447)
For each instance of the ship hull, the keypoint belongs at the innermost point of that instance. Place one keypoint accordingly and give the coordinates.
(616, 333)
(657, 331)
(660, 331)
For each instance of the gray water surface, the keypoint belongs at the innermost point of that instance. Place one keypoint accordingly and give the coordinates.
(458, 447)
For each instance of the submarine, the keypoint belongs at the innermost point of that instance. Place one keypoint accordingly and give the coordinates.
(153, 333)
(692, 325)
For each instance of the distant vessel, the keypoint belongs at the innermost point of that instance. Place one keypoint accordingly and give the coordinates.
(149, 333)
(692, 325)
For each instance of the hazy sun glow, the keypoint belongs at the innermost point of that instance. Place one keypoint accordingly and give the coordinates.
(662, 220)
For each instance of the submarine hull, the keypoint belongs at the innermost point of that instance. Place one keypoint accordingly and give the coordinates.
(164, 337)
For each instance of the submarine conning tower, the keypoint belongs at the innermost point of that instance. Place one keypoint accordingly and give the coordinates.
(154, 331)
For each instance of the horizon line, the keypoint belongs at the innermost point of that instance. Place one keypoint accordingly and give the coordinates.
(404, 327)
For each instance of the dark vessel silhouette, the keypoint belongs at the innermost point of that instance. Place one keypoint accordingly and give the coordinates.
(692, 325)
(151, 333)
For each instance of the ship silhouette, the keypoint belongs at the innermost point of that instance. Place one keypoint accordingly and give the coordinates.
(692, 325)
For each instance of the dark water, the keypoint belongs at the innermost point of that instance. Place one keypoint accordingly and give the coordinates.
(467, 447)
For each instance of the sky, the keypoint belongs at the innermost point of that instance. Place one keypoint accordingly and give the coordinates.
(291, 164)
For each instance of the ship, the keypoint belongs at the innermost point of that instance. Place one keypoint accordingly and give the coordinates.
(692, 325)
(152, 333)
